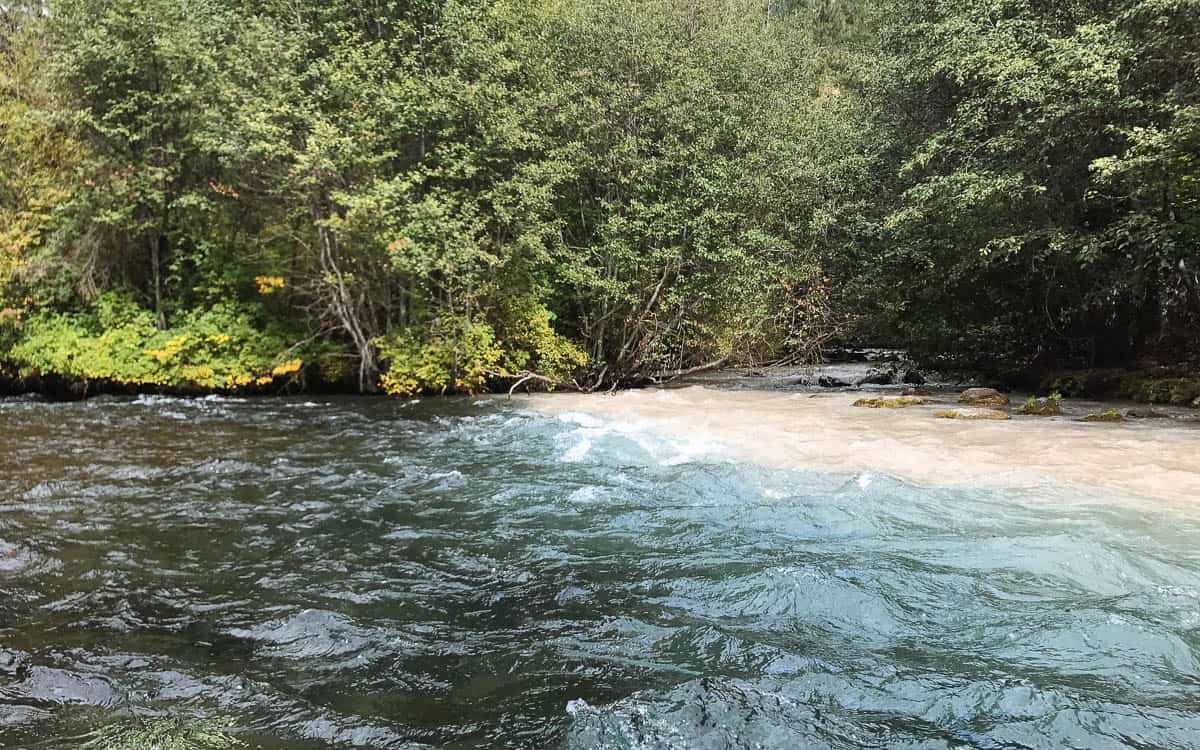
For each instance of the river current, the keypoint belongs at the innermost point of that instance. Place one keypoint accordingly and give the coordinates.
(360, 573)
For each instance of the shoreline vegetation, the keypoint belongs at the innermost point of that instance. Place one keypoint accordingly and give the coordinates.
(457, 196)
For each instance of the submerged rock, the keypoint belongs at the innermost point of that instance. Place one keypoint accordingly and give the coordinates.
(972, 413)
(982, 397)
(878, 377)
(826, 381)
(898, 402)
(1111, 415)
(911, 391)
(1145, 414)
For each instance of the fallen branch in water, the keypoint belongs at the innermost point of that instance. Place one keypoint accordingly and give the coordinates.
(669, 375)
(524, 376)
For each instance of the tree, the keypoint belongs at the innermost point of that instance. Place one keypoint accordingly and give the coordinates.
(1010, 123)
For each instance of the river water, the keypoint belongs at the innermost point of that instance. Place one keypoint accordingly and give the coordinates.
(357, 573)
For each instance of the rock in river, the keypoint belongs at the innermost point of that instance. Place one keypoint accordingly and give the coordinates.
(982, 397)
(877, 377)
(827, 381)
(898, 402)
(972, 414)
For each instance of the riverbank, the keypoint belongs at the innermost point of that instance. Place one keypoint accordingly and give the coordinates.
(1150, 458)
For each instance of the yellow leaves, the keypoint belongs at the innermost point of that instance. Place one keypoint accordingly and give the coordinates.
(399, 384)
(219, 339)
(269, 284)
(169, 350)
(287, 368)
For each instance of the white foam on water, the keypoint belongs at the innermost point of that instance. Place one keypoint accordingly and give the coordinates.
(822, 432)
(577, 452)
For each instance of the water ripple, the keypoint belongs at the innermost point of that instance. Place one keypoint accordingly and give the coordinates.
(351, 573)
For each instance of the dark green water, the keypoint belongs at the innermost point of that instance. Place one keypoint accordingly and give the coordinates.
(365, 574)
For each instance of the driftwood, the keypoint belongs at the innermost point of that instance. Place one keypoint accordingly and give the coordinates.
(524, 376)
(669, 375)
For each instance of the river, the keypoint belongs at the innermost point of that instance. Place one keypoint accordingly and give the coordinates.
(571, 573)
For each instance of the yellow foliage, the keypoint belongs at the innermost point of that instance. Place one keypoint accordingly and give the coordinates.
(288, 368)
(269, 284)
(169, 350)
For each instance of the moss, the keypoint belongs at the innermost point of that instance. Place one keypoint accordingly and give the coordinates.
(163, 734)
(1110, 415)
(1050, 406)
(972, 414)
(900, 402)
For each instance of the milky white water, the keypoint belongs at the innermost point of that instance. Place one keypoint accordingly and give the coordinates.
(822, 431)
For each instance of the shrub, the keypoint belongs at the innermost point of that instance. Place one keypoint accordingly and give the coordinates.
(451, 355)
(215, 348)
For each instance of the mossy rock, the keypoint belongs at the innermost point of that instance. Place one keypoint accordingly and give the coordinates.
(1111, 415)
(972, 414)
(982, 397)
(1050, 406)
(899, 402)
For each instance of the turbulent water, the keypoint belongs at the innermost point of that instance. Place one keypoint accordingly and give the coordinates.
(368, 574)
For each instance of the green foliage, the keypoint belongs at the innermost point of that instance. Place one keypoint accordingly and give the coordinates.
(456, 355)
(451, 355)
(692, 130)
(118, 341)
(623, 187)
(531, 344)
(38, 156)
(449, 193)
(1043, 187)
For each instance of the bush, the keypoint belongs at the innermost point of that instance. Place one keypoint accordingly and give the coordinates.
(453, 354)
(117, 341)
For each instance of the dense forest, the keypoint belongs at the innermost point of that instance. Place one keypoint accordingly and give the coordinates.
(454, 195)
